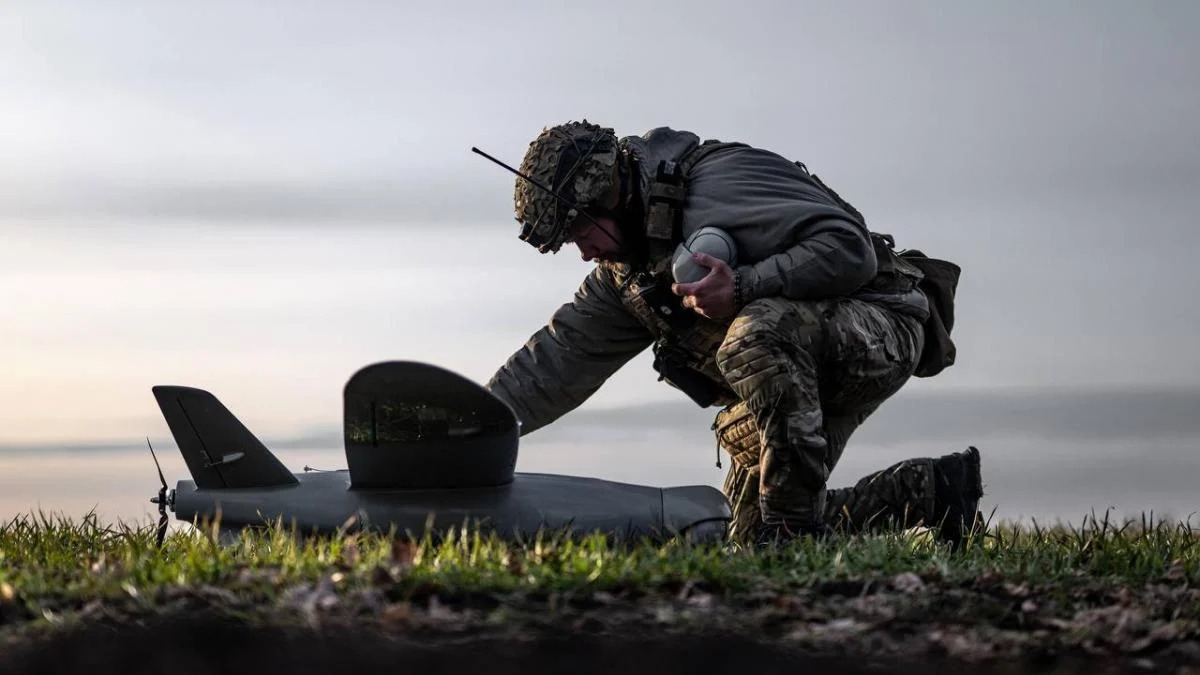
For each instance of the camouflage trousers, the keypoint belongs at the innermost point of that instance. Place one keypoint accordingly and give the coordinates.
(807, 374)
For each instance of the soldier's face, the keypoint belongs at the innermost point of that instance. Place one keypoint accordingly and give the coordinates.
(598, 241)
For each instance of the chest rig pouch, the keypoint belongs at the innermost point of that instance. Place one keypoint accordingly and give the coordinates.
(686, 345)
(664, 208)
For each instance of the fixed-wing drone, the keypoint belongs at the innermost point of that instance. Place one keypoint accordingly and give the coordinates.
(426, 448)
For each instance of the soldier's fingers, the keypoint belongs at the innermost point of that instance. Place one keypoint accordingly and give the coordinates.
(686, 289)
(701, 305)
(710, 284)
(709, 261)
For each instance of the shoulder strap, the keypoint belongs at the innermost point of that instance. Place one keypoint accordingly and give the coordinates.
(693, 157)
(667, 195)
(664, 202)
(884, 244)
(846, 206)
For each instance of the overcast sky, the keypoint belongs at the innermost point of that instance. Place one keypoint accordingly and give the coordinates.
(259, 198)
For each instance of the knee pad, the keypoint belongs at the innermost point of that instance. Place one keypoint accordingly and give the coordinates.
(764, 337)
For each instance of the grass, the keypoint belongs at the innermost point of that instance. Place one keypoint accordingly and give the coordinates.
(1129, 588)
(49, 561)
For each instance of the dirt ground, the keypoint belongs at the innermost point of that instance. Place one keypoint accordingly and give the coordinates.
(892, 629)
(199, 645)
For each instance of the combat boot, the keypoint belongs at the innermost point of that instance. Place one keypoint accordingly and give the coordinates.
(958, 485)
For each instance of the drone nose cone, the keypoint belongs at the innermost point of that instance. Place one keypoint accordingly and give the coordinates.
(698, 511)
(167, 499)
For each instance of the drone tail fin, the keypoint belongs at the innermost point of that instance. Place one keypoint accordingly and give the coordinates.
(219, 450)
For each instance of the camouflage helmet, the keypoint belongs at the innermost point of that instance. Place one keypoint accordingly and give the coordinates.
(578, 161)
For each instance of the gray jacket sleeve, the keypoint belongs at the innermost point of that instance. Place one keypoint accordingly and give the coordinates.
(793, 239)
(565, 362)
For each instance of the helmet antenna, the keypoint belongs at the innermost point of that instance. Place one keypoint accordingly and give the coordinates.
(570, 204)
(532, 181)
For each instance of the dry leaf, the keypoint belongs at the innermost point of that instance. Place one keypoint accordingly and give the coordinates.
(838, 627)
(1167, 632)
(350, 553)
(404, 553)
(907, 582)
(399, 612)
(962, 646)
(438, 611)
(1176, 572)
(604, 598)
(1017, 590)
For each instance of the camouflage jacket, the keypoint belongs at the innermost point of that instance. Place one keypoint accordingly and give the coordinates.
(793, 241)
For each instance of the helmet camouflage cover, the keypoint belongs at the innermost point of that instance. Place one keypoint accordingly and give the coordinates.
(576, 160)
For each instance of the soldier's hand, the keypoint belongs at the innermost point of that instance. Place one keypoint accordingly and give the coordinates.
(712, 296)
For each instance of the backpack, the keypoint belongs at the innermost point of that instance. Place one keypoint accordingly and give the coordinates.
(939, 281)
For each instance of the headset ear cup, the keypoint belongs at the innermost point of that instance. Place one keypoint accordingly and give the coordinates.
(609, 201)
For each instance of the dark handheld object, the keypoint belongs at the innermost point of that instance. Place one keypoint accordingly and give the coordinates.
(670, 362)
(671, 366)
(667, 306)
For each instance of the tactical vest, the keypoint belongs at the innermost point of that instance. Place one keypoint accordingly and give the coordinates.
(685, 348)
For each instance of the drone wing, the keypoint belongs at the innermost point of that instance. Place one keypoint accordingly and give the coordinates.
(220, 451)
